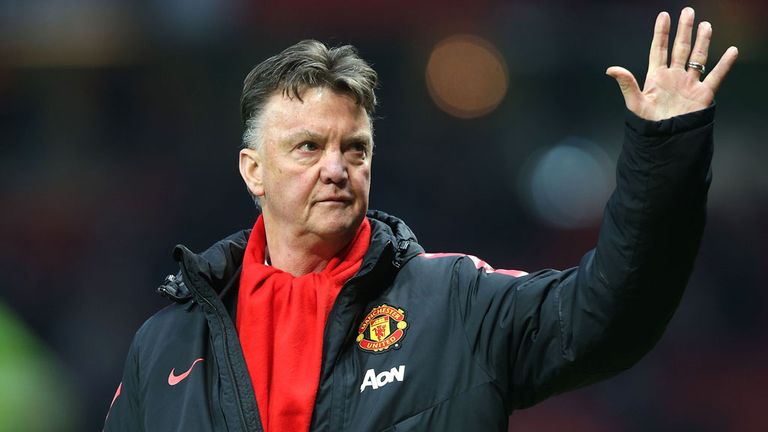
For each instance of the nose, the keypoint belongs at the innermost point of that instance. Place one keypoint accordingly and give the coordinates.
(333, 168)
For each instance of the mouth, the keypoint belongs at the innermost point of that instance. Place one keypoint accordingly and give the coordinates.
(334, 200)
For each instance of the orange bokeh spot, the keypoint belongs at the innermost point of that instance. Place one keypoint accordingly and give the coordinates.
(466, 76)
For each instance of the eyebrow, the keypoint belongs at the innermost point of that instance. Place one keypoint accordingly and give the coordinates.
(359, 136)
(307, 134)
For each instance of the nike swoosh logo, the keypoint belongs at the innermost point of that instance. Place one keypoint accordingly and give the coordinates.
(174, 379)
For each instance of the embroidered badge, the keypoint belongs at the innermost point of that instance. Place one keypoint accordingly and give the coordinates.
(383, 328)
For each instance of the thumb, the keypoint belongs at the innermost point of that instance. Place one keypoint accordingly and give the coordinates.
(628, 85)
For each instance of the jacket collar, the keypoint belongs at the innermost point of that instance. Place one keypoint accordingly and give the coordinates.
(219, 263)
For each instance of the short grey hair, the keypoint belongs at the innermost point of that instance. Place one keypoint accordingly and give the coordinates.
(307, 64)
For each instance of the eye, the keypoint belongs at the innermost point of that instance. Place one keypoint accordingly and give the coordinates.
(359, 147)
(308, 146)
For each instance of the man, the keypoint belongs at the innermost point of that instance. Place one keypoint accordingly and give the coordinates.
(329, 317)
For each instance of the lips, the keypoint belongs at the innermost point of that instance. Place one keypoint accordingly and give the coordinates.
(342, 200)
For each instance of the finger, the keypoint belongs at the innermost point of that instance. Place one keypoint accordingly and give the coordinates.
(715, 78)
(682, 46)
(701, 47)
(628, 85)
(658, 56)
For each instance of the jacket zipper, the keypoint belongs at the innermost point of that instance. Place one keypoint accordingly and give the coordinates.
(227, 357)
(333, 311)
(229, 365)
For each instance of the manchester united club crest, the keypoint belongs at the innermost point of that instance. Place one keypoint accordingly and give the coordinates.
(383, 328)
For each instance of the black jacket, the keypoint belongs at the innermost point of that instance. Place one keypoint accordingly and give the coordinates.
(442, 342)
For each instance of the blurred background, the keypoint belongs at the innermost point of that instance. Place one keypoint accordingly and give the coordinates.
(120, 127)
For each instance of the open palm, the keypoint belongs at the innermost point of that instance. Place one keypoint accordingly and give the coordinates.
(670, 89)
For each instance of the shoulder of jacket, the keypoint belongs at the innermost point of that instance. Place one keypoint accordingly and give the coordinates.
(464, 262)
(442, 259)
(426, 263)
(168, 320)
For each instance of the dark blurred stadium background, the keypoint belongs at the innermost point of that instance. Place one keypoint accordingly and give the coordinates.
(120, 130)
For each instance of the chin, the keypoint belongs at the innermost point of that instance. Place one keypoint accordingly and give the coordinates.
(338, 225)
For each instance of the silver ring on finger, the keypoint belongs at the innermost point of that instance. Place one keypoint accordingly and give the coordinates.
(698, 66)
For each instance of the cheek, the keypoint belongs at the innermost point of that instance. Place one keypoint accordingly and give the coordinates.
(287, 187)
(298, 185)
(367, 180)
(363, 176)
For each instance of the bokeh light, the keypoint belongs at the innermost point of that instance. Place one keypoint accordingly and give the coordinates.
(567, 185)
(466, 76)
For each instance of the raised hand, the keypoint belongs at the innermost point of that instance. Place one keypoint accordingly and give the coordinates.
(669, 88)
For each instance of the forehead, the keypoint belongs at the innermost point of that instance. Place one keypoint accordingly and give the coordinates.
(321, 110)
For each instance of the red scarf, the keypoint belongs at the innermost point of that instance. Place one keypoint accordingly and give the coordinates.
(281, 320)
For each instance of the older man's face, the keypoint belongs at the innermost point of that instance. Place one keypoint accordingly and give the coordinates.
(315, 163)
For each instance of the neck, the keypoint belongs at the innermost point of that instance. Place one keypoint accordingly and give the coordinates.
(302, 253)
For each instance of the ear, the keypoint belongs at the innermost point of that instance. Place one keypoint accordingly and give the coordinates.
(251, 170)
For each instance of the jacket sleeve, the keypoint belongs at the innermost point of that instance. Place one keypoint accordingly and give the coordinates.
(551, 331)
(125, 411)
